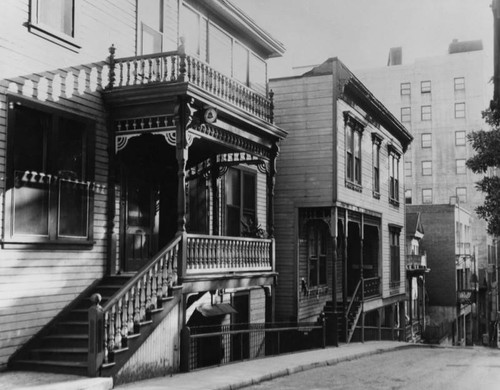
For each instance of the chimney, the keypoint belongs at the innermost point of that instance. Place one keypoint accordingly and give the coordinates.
(395, 56)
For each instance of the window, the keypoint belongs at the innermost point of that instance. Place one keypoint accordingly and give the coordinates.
(56, 15)
(460, 166)
(151, 26)
(393, 178)
(459, 110)
(197, 210)
(317, 239)
(376, 141)
(408, 168)
(426, 168)
(425, 86)
(54, 20)
(462, 194)
(241, 202)
(459, 83)
(426, 113)
(395, 256)
(406, 114)
(460, 138)
(426, 140)
(405, 88)
(427, 196)
(408, 197)
(353, 150)
(50, 174)
(211, 43)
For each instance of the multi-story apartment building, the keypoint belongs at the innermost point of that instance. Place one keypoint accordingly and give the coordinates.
(439, 100)
(339, 205)
(136, 192)
(452, 283)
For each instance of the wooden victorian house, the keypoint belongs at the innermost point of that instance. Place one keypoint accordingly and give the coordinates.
(137, 193)
(339, 207)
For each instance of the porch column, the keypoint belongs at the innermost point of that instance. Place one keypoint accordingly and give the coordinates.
(334, 234)
(214, 174)
(361, 239)
(271, 179)
(182, 118)
(344, 268)
(111, 205)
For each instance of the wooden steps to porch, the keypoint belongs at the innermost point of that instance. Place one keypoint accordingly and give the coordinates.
(63, 345)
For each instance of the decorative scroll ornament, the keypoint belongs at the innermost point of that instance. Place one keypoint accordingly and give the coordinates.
(158, 125)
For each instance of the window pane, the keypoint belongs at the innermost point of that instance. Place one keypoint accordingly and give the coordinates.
(408, 198)
(460, 165)
(426, 113)
(220, 50)
(426, 140)
(233, 187)
(31, 204)
(240, 63)
(57, 14)
(257, 74)
(459, 110)
(405, 88)
(249, 192)
(151, 13)
(408, 168)
(69, 161)
(405, 114)
(73, 209)
(151, 40)
(459, 83)
(426, 168)
(425, 86)
(427, 195)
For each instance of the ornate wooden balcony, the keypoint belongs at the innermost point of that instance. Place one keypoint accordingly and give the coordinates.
(176, 67)
(215, 254)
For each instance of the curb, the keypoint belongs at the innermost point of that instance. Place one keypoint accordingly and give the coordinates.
(307, 367)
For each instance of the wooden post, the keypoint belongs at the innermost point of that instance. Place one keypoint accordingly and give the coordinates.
(185, 349)
(271, 180)
(96, 336)
(334, 235)
(214, 174)
(111, 64)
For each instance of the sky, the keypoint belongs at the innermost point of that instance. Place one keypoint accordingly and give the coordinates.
(361, 32)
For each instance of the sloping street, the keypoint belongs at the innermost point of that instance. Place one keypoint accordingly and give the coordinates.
(415, 368)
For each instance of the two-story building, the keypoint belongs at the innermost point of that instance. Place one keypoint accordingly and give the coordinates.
(339, 206)
(136, 192)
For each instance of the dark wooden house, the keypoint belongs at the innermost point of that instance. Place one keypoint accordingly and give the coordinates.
(339, 207)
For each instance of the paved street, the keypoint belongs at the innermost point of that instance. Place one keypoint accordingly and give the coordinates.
(415, 368)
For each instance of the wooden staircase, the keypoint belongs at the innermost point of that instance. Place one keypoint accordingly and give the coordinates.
(63, 346)
(130, 309)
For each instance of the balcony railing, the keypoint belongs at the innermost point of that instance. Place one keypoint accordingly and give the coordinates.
(216, 254)
(416, 260)
(175, 67)
(371, 287)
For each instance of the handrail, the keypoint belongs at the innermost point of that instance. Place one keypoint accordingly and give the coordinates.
(148, 56)
(353, 298)
(140, 274)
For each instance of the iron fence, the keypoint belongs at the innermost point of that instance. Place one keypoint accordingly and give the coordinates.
(204, 346)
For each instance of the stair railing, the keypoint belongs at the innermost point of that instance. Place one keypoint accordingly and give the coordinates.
(356, 297)
(119, 318)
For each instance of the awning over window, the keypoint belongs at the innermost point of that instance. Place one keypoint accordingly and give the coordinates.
(219, 309)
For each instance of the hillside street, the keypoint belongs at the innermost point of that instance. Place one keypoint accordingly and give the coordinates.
(413, 368)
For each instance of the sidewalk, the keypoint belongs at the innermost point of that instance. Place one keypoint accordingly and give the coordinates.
(228, 377)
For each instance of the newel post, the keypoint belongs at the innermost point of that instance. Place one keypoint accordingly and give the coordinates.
(96, 336)
(111, 62)
(182, 60)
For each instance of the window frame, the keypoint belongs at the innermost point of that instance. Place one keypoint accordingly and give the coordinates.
(427, 171)
(460, 169)
(405, 88)
(394, 159)
(459, 86)
(243, 211)
(426, 113)
(460, 113)
(395, 256)
(43, 30)
(464, 138)
(353, 131)
(315, 255)
(461, 196)
(427, 143)
(408, 169)
(429, 196)
(54, 236)
(405, 114)
(410, 192)
(425, 86)
(376, 143)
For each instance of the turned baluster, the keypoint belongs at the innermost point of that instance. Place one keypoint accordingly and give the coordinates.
(149, 290)
(120, 69)
(166, 276)
(144, 308)
(125, 320)
(118, 325)
(111, 332)
(131, 312)
(106, 343)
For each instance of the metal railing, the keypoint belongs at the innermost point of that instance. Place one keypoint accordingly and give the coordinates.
(204, 346)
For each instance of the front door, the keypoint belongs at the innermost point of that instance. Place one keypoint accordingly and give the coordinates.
(141, 225)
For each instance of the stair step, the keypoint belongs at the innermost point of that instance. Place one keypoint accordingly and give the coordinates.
(62, 367)
(73, 327)
(55, 363)
(65, 340)
(60, 354)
